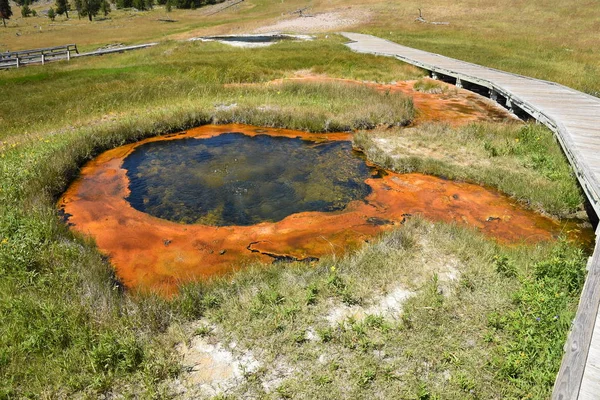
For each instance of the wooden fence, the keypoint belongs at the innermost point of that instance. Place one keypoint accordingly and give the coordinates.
(16, 59)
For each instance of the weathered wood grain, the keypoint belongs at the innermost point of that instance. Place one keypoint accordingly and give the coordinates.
(16, 59)
(574, 117)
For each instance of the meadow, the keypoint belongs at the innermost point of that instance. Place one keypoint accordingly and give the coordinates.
(71, 329)
(549, 40)
(520, 160)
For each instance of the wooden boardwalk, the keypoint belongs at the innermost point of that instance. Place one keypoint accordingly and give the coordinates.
(16, 59)
(21, 58)
(575, 119)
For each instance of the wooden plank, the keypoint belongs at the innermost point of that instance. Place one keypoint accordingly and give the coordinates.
(591, 374)
(575, 119)
(23, 57)
(570, 376)
(116, 50)
(19, 52)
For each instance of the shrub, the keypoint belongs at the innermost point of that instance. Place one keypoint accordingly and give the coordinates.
(25, 10)
(114, 352)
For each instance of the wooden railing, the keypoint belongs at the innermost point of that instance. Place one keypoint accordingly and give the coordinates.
(572, 381)
(16, 59)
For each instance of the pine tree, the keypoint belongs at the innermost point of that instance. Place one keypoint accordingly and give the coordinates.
(25, 10)
(105, 7)
(78, 7)
(62, 7)
(5, 11)
(90, 8)
(51, 14)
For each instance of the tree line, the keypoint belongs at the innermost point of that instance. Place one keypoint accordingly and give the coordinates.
(92, 8)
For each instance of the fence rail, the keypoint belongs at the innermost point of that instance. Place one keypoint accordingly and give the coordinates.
(16, 59)
(574, 117)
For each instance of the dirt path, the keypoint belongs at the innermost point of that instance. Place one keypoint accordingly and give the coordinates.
(315, 23)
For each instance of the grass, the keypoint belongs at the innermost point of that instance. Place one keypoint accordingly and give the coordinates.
(477, 332)
(429, 86)
(70, 329)
(510, 36)
(177, 75)
(523, 161)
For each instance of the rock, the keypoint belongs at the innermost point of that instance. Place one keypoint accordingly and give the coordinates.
(376, 221)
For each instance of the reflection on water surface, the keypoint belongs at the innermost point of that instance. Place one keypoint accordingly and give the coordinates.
(158, 254)
(235, 179)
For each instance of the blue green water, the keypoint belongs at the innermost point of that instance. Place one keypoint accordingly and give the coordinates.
(235, 179)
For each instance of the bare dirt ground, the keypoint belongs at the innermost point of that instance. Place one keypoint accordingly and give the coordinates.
(315, 23)
(214, 364)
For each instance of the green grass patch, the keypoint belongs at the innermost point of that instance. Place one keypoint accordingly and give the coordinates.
(523, 161)
(543, 308)
(70, 329)
(457, 337)
(85, 91)
(429, 86)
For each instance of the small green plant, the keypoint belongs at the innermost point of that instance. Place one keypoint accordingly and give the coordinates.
(300, 337)
(429, 86)
(423, 393)
(203, 331)
(51, 14)
(326, 334)
(366, 377)
(311, 295)
(491, 149)
(340, 287)
(324, 380)
(117, 353)
(466, 383)
(434, 292)
(467, 283)
(377, 322)
(504, 266)
(26, 10)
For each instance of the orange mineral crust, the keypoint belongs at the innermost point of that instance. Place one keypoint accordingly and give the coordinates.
(453, 105)
(152, 254)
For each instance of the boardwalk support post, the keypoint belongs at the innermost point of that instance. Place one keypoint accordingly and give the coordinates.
(509, 105)
(562, 110)
(458, 83)
(434, 75)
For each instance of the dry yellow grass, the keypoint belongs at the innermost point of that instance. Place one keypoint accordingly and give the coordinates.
(67, 329)
(552, 39)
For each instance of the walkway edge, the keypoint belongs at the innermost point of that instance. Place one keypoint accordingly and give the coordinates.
(569, 379)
